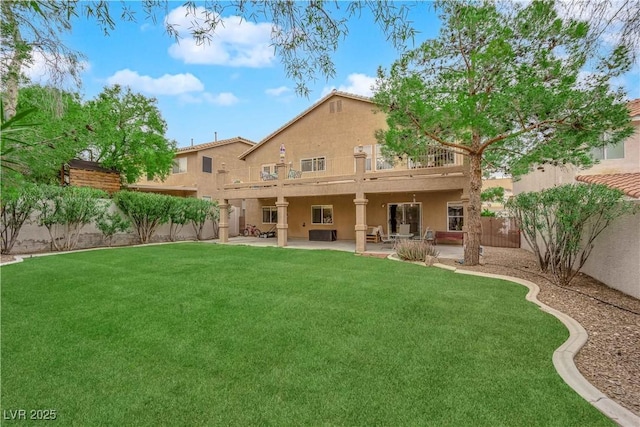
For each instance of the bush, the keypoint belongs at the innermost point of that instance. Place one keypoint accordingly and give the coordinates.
(415, 250)
(198, 211)
(147, 211)
(16, 208)
(64, 211)
(561, 223)
(111, 223)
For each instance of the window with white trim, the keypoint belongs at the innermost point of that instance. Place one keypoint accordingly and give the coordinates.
(455, 216)
(269, 215)
(607, 152)
(313, 164)
(382, 162)
(322, 214)
(179, 165)
(269, 168)
(207, 198)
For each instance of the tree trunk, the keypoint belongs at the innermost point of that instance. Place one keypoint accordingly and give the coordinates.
(12, 76)
(474, 225)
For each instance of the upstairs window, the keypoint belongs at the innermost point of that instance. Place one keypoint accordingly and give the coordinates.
(312, 165)
(180, 165)
(382, 162)
(609, 152)
(207, 164)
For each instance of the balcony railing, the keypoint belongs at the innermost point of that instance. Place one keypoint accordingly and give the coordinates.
(337, 168)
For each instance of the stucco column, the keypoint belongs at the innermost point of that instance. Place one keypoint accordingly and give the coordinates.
(361, 202)
(223, 225)
(282, 226)
(361, 224)
(223, 204)
(282, 205)
(361, 160)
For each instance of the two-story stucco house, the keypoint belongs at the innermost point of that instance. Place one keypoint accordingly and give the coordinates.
(616, 254)
(322, 175)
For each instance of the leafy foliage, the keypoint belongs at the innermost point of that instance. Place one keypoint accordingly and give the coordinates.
(111, 223)
(561, 223)
(64, 211)
(128, 134)
(147, 211)
(493, 194)
(177, 216)
(502, 84)
(15, 210)
(57, 135)
(198, 212)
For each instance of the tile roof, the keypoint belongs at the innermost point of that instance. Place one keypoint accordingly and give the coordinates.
(629, 183)
(215, 144)
(634, 107)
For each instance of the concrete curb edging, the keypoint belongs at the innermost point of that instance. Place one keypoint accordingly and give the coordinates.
(563, 357)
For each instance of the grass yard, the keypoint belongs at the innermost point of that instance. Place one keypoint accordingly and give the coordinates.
(200, 334)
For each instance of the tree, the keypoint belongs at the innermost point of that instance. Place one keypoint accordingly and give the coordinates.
(128, 134)
(58, 135)
(561, 223)
(503, 87)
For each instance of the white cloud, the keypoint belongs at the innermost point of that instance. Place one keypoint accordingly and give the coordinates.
(235, 42)
(358, 84)
(222, 99)
(277, 91)
(168, 84)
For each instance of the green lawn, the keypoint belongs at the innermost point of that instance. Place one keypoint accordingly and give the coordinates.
(199, 334)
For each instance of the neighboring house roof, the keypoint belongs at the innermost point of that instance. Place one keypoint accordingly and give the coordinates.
(634, 108)
(212, 144)
(304, 113)
(629, 183)
(89, 166)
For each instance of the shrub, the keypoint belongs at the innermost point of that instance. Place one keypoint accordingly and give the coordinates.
(178, 208)
(111, 223)
(561, 223)
(16, 208)
(147, 211)
(198, 211)
(64, 211)
(415, 250)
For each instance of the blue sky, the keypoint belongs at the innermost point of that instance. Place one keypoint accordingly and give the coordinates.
(234, 86)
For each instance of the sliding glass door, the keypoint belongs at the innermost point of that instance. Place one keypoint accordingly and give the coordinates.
(404, 213)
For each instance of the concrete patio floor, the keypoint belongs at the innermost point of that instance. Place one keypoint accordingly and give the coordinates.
(373, 249)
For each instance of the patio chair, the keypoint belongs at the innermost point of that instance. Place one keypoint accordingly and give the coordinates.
(267, 176)
(374, 235)
(428, 236)
(294, 174)
(404, 229)
(385, 238)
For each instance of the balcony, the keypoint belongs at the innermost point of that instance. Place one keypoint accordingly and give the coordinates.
(337, 175)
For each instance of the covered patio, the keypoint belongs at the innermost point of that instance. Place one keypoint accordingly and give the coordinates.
(373, 249)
